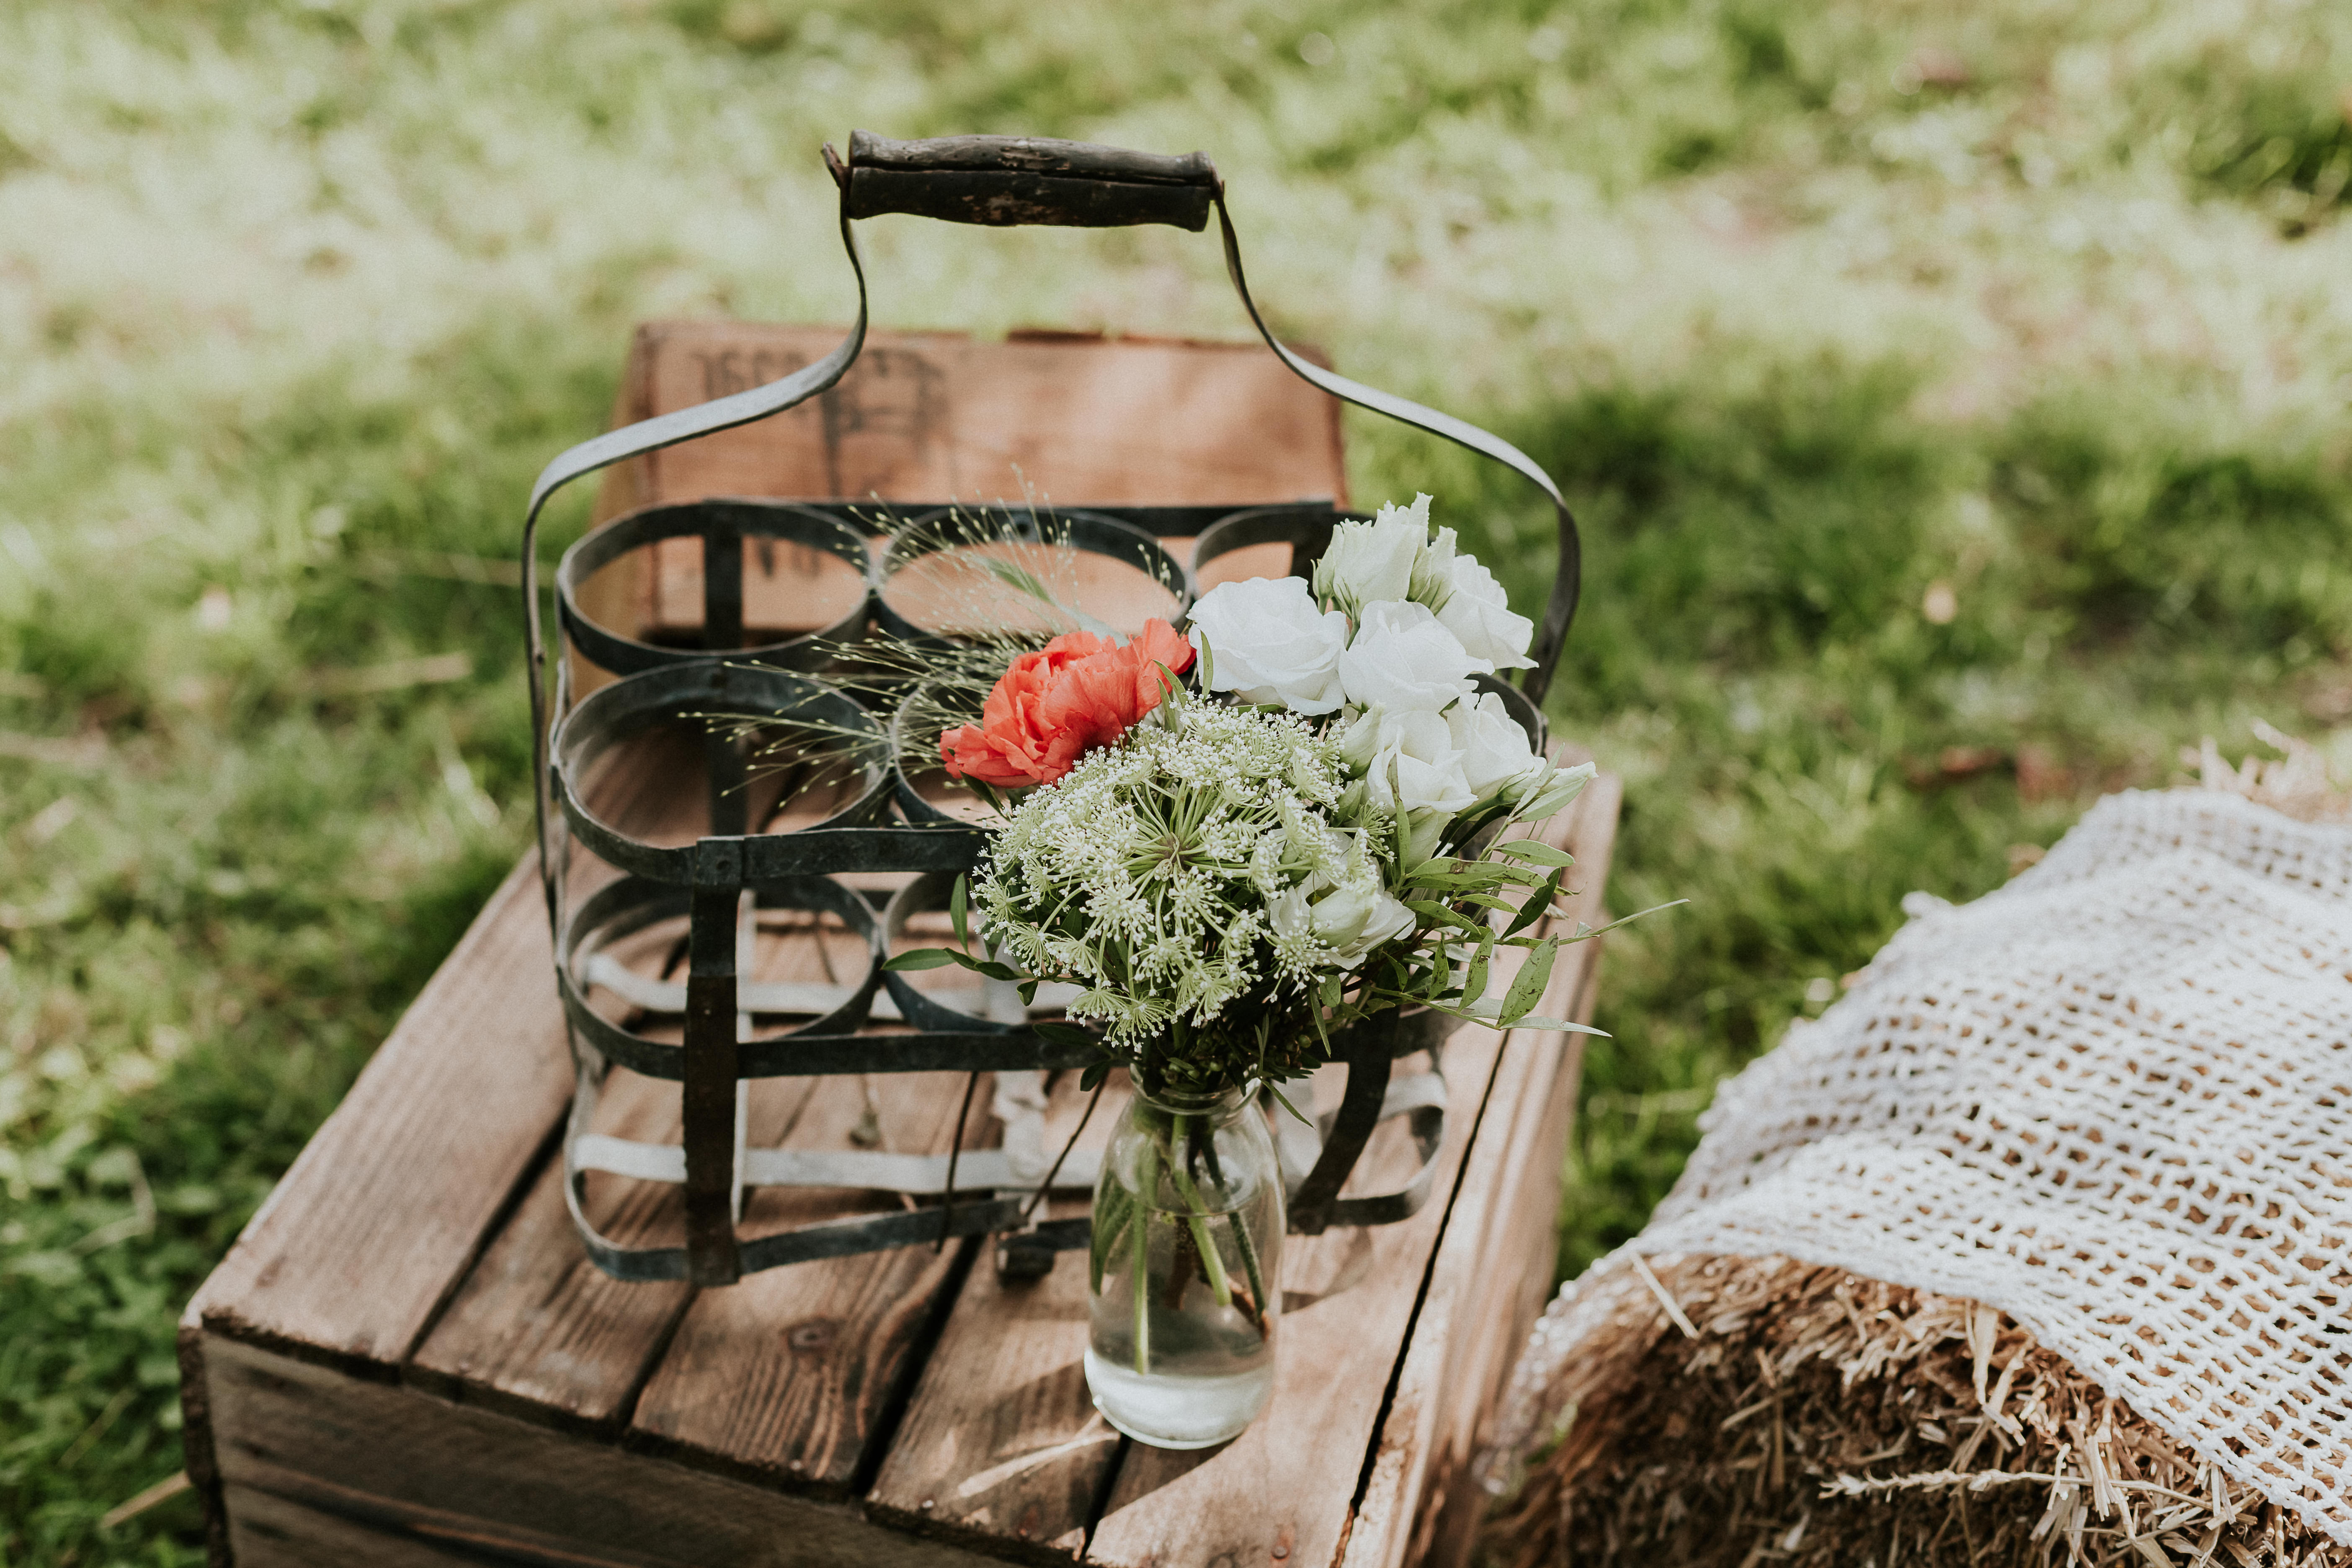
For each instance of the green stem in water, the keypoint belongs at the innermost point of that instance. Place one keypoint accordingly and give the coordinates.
(1113, 1214)
(1213, 1266)
(1250, 1267)
(1146, 1180)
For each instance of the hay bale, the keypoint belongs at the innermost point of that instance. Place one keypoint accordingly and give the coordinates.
(1812, 1418)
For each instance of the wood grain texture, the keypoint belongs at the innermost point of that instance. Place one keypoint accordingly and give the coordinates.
(1494, 1267)
(431, 1476)
(1001, 1446)
(1069, 418)
(385, 1207)
(538, 1329)
(789, 1374)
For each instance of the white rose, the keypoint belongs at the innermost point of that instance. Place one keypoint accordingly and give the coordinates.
(1368, 562)
(1265, 642)
(1402, 659)
(1479, 616)
(1409, 761)
(1496, 756)
(1358, 917)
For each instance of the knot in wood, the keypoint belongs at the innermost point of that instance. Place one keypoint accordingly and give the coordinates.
(815, 1335)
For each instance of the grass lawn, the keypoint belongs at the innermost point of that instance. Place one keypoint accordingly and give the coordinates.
(1957, 411)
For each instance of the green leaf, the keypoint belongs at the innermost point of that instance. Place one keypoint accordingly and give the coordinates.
(1440, 915)
(926, 958)
(1091, 1080)
(1559, 1025)
(956, 907)
(1284, 1100)
(1474, 985)
(1534, 850)
(993, 970)
(1060, 1034)
(1539, 904)
(1528, 986)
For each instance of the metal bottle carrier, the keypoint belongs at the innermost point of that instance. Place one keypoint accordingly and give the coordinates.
(734, 873)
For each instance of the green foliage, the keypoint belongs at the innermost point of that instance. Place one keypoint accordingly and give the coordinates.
(1831, 316)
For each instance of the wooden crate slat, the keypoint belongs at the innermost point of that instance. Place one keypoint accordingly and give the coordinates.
(1072, 419)
(376, 1453)
(1076, 419)
(372, 1227)
(539, 1327)
(1000, 1444)
(1492, 1270)
(788, 1373)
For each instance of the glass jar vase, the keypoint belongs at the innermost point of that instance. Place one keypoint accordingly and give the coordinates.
(1185, 1270)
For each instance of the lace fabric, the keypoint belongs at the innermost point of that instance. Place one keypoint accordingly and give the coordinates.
(2112, 1099)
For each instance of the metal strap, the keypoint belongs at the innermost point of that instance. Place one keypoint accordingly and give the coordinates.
(1561, 609)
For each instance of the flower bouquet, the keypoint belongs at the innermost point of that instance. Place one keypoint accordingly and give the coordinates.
(1236, 844)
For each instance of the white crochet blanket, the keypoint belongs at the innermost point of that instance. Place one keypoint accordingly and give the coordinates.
(2114, 1100)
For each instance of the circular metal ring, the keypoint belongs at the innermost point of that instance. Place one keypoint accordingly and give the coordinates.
(1091, 532)
(925, 893)
(722, 524)
(639, 703)
(633, 903)
(1305, 526)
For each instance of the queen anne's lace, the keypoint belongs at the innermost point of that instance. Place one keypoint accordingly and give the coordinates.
(1146, 871)
(2114, 1100)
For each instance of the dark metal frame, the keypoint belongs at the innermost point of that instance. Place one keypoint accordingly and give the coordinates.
(720, 882)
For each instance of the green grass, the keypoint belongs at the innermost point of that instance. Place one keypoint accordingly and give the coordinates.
(1827, 315)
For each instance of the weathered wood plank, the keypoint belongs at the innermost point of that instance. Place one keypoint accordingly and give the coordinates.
(1494, 1267)
(359, 1243)
(1001, 1446)
(540, 1329)
(1066, 417)
(789, 1374)
(366, 1236)
(399, 1463)
(1070, 419)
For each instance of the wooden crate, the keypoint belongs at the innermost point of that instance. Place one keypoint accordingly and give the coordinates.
(1054, 419)
(407, 1360)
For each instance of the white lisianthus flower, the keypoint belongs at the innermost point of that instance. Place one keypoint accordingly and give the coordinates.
(1402, 659)
(1433, 574)
(1409, 761)
(1480, 617)
(1495, 757)
(1264, 641)
(1348, 919)
(1358, 917)
(1369, 561)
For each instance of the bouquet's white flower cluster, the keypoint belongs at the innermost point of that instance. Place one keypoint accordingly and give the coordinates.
(1195, 862)
(1222, 872)
(1387, 638)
